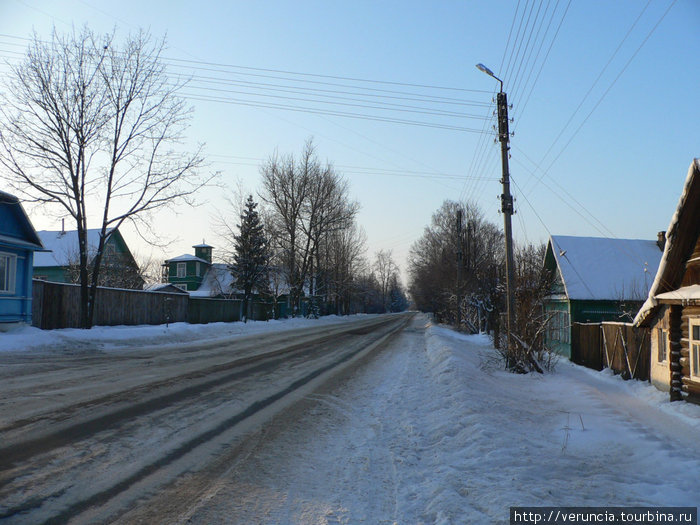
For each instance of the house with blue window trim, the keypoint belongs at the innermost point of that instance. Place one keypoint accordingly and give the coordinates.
(18, 242)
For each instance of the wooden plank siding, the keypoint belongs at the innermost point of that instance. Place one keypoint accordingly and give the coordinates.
(618, 346)
(57, 305)
(586, 345)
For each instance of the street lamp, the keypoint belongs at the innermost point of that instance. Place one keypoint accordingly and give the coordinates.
(507, 209)
(483, 68)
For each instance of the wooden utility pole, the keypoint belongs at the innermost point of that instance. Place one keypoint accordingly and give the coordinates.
(459, 268)
(507, 209)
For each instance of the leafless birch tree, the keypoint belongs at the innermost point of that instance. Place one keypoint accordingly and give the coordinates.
(94, 127)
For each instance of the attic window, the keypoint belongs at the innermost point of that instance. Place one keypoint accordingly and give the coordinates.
(8, 269)
(181, 270)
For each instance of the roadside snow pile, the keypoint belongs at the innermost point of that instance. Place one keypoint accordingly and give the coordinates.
(105, 338)
(576, 437)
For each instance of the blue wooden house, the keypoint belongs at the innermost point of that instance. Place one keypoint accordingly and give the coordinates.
(18, 242)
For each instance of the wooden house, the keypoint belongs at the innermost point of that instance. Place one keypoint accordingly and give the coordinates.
(18, 242)
(672, 309)
(595, 279)
(60, 263)
(187, 271)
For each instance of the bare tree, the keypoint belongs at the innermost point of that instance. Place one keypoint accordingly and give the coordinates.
(306, 202)
(93, 127)
(433, 266)
(385, 269)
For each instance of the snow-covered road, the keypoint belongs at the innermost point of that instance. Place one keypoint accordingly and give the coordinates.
(430, 432)
(426, 429)
(84, 436)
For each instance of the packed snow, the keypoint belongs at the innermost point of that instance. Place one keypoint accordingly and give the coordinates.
(113, 338)
(433, 430)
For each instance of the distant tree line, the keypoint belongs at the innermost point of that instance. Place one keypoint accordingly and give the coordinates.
(309, 243)
(457, 272)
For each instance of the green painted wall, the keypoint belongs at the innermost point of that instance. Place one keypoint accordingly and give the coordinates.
(191, 279)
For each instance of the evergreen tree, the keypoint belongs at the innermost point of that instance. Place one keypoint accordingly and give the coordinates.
(251, 255)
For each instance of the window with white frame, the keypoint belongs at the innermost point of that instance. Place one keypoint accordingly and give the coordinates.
(199, 270)
(695, 348)
(182, 269)
(8, 269)
(662, 342)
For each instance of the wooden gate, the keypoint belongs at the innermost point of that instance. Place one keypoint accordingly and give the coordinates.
(618, 346)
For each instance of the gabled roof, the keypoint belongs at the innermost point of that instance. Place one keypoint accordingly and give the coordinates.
(164, 287)
(63, 246)
(21, 233)
(599, 268)
(217, 281)
(681, 236)
(185, 257)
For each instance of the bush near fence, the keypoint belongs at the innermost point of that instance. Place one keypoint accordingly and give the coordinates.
(622, 347)
(57, 305)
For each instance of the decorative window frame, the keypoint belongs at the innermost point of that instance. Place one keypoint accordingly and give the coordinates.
(694, 347)
(181, 270)
(8, 278)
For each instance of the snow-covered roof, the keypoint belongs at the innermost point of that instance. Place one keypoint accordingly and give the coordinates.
(667, 275)
(185, 257)
(163, 287)
(217, 281)
(63, 246)
(23, 234)
(599, 268)
(686, 293)
(203, 245)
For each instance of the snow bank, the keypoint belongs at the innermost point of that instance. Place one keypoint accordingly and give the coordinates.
(574, 437)
(112, 338)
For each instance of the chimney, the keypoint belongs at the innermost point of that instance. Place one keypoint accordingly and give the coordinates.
(661, 240)
(63, 227)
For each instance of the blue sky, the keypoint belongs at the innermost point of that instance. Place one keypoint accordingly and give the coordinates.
(629, 144)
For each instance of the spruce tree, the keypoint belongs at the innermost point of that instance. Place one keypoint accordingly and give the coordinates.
(251, 255)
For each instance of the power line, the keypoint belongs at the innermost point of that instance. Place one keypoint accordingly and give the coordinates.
(529, 68)
(595, 82)
(316, 111)
(611, 85)
(385, 107)
(544, 61)
(220, 65)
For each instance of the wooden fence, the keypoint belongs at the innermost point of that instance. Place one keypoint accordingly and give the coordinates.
(57, 305)
(618, 346)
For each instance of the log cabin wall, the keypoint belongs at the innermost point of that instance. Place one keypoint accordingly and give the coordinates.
(691, 386)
